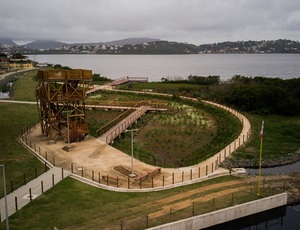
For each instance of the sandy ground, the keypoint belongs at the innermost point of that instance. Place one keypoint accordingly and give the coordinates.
(99, 159)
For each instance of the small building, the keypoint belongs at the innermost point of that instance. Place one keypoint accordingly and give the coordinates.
(19, 61)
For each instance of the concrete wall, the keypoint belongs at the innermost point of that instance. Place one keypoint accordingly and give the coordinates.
(227, 214)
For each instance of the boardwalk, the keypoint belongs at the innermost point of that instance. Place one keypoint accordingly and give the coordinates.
(119, 128)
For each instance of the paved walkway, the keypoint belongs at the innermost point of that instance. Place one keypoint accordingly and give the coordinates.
(21, 197)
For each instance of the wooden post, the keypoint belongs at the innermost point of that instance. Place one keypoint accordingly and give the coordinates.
(206, 169)
(92, 175)
(62, 173)
(172, 178)
(99, 178)
(128, 183)
(152, 182)
(16, 203)
(71, 167)
(163, 180)
(30, 195)
(117, 182)
(81, 171)
(191, 175)
(199, 173)
(193, 213)
(52, 179)
(107, 179)
(140, 183)
(42, 187)
(182, 176)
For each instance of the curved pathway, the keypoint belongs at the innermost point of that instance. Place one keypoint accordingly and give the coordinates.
(99, 159)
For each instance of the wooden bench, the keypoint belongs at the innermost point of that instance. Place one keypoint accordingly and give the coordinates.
(151, 173)
(109, 178)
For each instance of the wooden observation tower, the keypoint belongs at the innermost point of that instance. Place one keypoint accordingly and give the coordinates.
(60, 98)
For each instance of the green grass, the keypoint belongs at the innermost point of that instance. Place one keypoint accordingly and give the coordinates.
(281, 137)
(15, 118)
(74, 205)
(24, 88)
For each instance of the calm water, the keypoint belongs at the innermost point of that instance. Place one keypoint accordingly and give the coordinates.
(295, 167)
(156, 67)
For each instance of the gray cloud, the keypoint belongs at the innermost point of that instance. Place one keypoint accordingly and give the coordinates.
(193, 21)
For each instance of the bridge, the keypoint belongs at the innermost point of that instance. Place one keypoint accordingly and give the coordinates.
(124, 80)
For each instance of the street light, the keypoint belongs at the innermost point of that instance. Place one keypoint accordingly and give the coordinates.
(5, 197)
(131, 130)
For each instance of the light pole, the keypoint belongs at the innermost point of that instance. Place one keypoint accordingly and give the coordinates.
(131, 130)
(5, 197)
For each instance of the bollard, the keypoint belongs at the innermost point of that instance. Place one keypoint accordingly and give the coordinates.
(199, 172)
(172, 178)
(82, 172)
(46, 155)
(52, 179)
(140, 183)
(182, 175)
(206, 169)
(92, 175)
(107, 179)
(191, 175)
(128, 183)
(152, 181)
(62, 173)
(163, 180)
(99, 178)
(117, 182)
(71, 167)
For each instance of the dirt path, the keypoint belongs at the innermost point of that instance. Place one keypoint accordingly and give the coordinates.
(187, 203)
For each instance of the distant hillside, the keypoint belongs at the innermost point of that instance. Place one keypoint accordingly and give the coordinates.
(131, 41)
(44, 44)
(6, 41)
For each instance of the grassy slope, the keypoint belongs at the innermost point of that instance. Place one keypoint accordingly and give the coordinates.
(15, 118)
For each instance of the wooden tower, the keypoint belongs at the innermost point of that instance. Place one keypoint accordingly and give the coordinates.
(60, 98)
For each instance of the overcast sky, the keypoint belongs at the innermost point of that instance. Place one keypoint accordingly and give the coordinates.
(192, 21)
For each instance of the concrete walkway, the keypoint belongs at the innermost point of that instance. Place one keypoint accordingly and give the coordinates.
(25, 194)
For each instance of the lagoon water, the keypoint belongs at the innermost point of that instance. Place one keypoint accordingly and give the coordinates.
(156, 67)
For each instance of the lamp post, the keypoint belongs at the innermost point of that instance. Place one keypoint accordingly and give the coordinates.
(131, 130)
(5, 197)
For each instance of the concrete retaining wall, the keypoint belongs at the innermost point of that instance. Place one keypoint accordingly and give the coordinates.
(227, 214)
